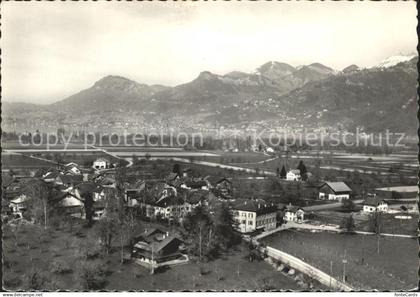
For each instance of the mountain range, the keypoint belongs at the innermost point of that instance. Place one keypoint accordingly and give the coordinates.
(377, 98)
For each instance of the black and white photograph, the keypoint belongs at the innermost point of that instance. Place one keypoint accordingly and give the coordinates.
(209, 146)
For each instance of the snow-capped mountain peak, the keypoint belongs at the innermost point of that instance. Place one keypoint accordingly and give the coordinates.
(394, 60)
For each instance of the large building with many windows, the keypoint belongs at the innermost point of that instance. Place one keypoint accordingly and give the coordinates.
(253, 215)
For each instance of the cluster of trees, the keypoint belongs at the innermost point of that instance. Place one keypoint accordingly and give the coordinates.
(210, 233)
(301, 166)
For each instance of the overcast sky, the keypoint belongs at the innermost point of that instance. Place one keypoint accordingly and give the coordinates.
(51, 50)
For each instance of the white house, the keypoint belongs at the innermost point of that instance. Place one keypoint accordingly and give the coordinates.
(101, 163)
(293, 175)
(293, 214)
(334, 191)
(252, 215)
(72, 168)
(375, 204)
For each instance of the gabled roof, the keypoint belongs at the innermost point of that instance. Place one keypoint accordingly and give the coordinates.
(294, 171)
(71, 179)
(373, 201)
(254, 205)
(156, 244)
(102, 159)
(214, 180)
(292, 208)
(195, 184)
(51, 175)
(196, 196)
(171, 176)
(337, 186)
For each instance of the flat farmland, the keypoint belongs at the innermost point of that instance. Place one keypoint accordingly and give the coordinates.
(386, 270)
(405, 164)
(18, 161)
(15, 145)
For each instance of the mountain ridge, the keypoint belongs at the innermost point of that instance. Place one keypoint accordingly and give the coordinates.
(272, 89)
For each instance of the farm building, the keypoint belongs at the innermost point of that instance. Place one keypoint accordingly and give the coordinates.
(402, 192)
(252, 215)
(334, 191)
(373, 204)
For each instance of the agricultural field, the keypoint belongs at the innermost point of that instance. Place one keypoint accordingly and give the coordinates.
(366, 268)
(390, 224)
(59, 257)
(15, 145)
(18, 161)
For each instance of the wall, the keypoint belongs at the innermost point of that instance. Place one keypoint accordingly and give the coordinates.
(298, 264)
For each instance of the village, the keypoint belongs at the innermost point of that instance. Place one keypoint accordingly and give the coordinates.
(177, 214)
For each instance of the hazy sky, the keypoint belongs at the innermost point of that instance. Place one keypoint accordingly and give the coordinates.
(51, 50)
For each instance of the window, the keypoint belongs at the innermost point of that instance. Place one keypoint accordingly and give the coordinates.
(250, 223)
(243, 222)
(250, 215)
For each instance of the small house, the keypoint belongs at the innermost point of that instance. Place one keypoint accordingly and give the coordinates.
(334, 191)
(101, 163)
(72, 168)
(293, 214)
(375, 204)
(293, 175)
(155, 248)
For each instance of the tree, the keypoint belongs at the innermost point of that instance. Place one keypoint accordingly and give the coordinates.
(106, 229)
(349, 205)
(177, 169)
(225, 228)
(38, 193)
(200, 232)
(277, 171)
(375, 222)
(283, 172)
(348, 224)
(302, 169)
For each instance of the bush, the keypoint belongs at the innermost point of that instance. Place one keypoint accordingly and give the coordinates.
(38, 281)
(11, 282)
(91, 276)
(60, 267)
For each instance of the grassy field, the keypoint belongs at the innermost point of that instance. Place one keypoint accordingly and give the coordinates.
(393, 268)
(13, 161)
(390, 224)
(30, 249)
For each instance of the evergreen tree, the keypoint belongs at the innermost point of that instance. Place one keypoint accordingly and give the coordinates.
(283, 172)
(303, 171)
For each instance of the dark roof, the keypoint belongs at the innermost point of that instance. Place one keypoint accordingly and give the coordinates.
(71, 179)
(197, 196)
(214, 180)
(171, 176)
(292, 208)
(254, 205)
(158, 242)
(373, 201)
(196, 183)
(337, 187)
(51, 174)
